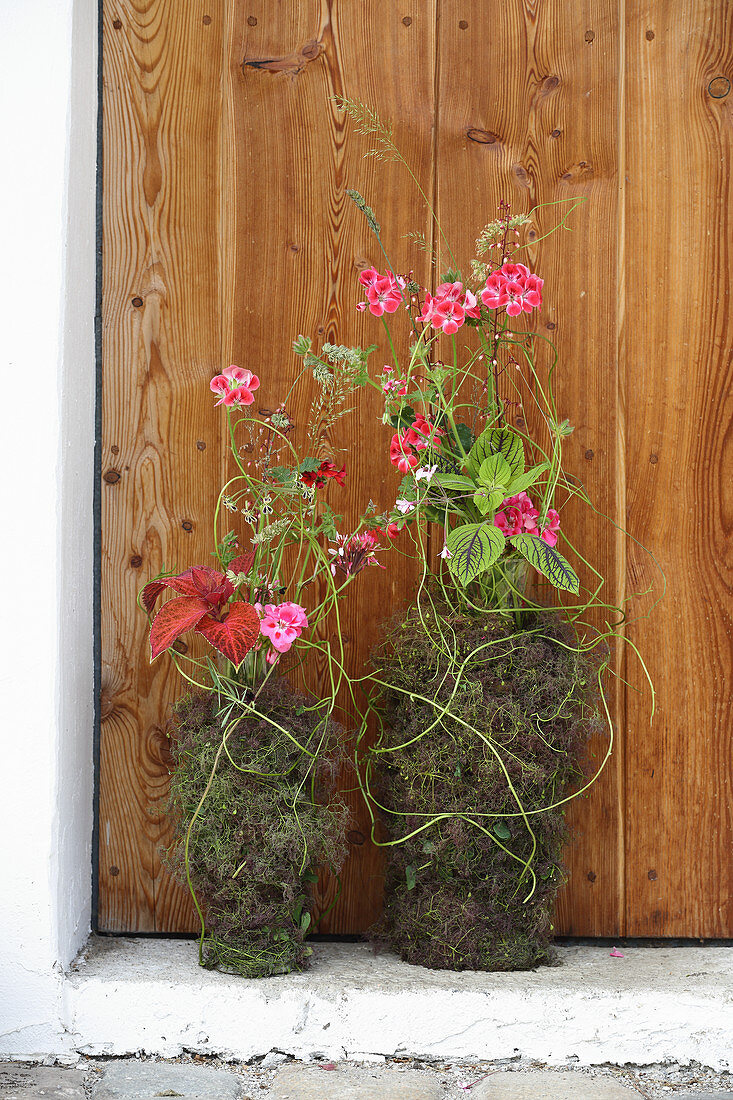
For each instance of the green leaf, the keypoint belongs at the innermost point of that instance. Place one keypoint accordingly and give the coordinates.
(487, 500)
(493, 441)
(309, 466)
(501, 830)
(465, 436)
(305, 921)
(456, 482)
(474, 547)
(410, 877)
(547, 561)
(283, 474)
(404, 418)
(519, 484)
(495, 472)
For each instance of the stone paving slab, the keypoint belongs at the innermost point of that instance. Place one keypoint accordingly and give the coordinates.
(23, 1082)
(129, 1080)
(546, 1085)
(352, 1083)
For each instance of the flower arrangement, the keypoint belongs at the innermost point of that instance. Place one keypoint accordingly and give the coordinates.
(254, 760)
(484, 690)
(488, 687)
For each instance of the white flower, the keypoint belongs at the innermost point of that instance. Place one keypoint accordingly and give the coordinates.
(445, 553)
(404, 506)
(425, 473)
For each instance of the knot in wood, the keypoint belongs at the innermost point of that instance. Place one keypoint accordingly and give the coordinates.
(111, 476)
(719, 87)
(481, 137)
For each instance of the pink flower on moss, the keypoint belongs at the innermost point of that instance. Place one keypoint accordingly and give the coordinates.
(234, 386)
(509, 521)
(518, 516)
(282, 624)
(513, 287)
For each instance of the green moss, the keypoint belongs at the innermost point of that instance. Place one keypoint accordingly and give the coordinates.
(479, 718)
(264, 826)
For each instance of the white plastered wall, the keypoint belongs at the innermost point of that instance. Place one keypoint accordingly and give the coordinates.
(48, 98)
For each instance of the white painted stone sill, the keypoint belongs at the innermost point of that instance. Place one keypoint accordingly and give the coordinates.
(654, 1005)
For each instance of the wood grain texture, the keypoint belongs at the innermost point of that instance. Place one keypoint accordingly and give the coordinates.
(679, 395)
(161, 436)
(227, 232)
(540, 125)
(299, 245)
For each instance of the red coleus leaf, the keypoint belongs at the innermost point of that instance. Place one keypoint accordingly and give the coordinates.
(243, 563)
(175, 618)
(200, 580)
(235, 634)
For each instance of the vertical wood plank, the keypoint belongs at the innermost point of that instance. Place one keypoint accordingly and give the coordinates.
(537, 122)
(161, 437)
(679, 395)
(299, 244)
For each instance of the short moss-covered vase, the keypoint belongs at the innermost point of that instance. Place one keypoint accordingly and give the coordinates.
(255, 815)
(484, 727)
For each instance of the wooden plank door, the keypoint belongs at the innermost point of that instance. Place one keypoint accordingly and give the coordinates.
(227, 232)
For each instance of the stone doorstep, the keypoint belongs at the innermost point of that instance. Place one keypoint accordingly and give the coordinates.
(130, 1079)
(654, 1005)
(19, 1081)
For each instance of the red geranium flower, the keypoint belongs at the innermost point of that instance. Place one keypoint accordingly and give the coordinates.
(203, 605)
(325, 471)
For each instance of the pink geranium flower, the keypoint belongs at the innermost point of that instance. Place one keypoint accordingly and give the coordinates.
(401, 454)
(404, 446)
(282, 624)
(396, 386)
(509, 521)
(513, 286)
(234, 386)
(448, 308)
(383, 292)
(549, 533)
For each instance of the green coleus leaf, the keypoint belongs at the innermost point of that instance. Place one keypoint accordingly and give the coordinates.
(455, 482)
(495, 472)
(488, 500)
(501, 830)
(410, 877)
(474, 547)
(497, 441)
(547, 561)
(519, 484)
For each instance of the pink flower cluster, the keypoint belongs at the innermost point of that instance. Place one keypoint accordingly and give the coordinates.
(282, 623)
(384, 293)
(515, 287)
(234, 386)
(448, 308)
(519, 516)
(405, 445)
(396, 386)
